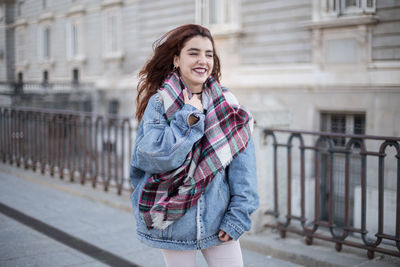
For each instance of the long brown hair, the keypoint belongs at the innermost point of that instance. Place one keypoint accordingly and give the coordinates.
(156, 70)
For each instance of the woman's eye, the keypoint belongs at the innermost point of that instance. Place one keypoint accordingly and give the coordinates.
(193, 54)
(209, 55)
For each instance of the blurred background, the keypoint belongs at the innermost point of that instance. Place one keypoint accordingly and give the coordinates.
(310, 63)
(305, 60)
(313, 65)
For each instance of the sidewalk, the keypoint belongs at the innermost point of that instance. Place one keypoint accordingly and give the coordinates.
(46, 221)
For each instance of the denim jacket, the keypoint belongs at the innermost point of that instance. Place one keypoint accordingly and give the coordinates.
(228, 200)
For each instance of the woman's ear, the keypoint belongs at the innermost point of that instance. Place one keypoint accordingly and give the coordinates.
(176, 61)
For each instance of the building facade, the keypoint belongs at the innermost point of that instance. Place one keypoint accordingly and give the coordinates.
(321, 65)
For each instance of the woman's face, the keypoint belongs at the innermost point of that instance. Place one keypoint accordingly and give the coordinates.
(195, 62)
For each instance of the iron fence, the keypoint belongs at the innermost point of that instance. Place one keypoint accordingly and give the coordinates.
(321, 177)
(97, 149)
(85, 146)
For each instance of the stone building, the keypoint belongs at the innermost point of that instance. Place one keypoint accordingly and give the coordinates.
(302, 64)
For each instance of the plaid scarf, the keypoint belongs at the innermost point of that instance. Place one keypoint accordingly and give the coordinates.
(167, 196)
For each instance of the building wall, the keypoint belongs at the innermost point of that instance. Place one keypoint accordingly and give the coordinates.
(3, 66)
(275, 62)
(157, 17)
(386, 34)
(9, 47)
(273, 32)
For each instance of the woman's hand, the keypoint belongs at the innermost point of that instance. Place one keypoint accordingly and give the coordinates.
(195, 101)
(224, 236)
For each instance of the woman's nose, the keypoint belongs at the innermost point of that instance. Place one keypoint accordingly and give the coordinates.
(202, 59)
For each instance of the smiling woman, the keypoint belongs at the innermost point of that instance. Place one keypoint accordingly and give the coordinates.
(166, 50)
(193, 148)
(195, 62)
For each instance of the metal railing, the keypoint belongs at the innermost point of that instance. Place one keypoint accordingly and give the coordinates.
(97, 149)
(85, 146)
(338, 226)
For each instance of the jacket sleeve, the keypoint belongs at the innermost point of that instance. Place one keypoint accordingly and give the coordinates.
(161, 147)
(242, 179)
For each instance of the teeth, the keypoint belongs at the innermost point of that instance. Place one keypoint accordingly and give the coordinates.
(200, 70)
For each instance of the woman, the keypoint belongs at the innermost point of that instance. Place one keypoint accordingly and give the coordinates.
(193, 165)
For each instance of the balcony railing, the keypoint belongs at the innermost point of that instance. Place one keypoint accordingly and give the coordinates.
(37, 87)
(333, 181)
(85, 146)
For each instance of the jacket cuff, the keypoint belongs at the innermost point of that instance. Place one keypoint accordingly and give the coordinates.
(233, 230)
(190, 110)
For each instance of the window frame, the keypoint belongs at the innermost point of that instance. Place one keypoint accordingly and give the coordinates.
(19, 8)
(75, 39)
(338, 8)
(231, 22)
(326, 124)
(44, 45)
(112, 33)
(20, 48)
(47, 42)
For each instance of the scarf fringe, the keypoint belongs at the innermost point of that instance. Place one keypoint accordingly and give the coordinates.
(158, 221)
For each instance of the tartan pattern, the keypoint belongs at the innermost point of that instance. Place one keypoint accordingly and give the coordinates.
(167, 196)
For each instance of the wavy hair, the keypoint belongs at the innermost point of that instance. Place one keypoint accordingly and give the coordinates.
(157, 68)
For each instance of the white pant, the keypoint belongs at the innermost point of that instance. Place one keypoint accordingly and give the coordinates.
(225, 254)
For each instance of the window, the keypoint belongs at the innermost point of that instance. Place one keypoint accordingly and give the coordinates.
(219, 15)
(112, 32)
(342, 123)
(20, 84)
(45, 77)
(20, 46)
(350, 123)
(349, 7)
(113, 106)
(338, 24)
(19, 8)
(87, 106)
(2, 13)
(75, 76)
(45, 43)
(20, 78)
(219, 11)
(359, 124)
(74, 39)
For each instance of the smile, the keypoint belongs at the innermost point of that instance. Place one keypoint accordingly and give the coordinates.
(200, 70)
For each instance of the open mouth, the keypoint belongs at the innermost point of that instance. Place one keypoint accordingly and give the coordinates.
(200, 70)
